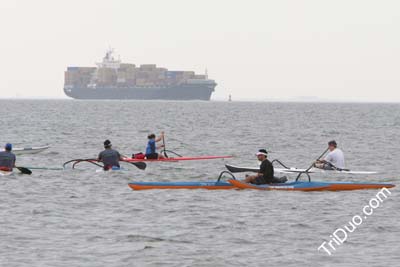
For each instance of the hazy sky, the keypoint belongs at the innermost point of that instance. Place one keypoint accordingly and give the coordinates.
(253, 49)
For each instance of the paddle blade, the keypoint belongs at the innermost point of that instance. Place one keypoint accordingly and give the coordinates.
(24, 170)
(139, 165)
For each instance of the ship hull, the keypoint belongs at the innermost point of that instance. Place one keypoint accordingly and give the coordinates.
(182, 92)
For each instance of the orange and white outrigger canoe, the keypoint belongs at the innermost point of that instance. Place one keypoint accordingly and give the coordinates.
(237, 184)
(311, 186)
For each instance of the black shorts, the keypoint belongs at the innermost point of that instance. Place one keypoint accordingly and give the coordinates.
(152, 156)
(259, 180)
(275, 180)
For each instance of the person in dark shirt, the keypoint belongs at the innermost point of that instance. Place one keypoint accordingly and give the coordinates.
(7, 158)
(109, 157)
(266, 173)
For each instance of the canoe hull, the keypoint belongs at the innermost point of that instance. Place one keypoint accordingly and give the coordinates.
(294, 186)
(312, 186)
(181, 185)
(176, 159)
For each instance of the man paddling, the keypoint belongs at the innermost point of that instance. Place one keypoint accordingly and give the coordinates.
(334, 160)
(7, 158)
(109, 157)
(151, 149)
(266, 173)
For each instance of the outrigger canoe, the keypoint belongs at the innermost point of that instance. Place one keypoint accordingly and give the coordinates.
(181, 185)
(236, 169)
(175, 159)
(28, 150)
(237, 184)
(311, 186)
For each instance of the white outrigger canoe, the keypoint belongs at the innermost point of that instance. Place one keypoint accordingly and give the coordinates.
(235, 169)
(28, 150)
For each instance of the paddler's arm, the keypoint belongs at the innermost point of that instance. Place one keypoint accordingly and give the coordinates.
(327, 159)
(160, 137)
(160, 146)
(254, 176)
(324, 160)
(121, 157)
(251, 178)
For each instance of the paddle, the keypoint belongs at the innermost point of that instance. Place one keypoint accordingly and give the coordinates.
(24, 170)
(165, 151)
(312, 165)
(140, 165)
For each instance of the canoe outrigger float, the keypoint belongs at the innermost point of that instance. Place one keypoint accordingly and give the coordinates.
(29, 150)
(233, 183)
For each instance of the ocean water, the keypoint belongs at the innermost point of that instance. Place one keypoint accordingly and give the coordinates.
(84, 218)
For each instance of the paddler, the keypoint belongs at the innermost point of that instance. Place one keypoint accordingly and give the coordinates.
(266, 173)
(151, 149)
(109, 157)
(7, 158)
(334, 160)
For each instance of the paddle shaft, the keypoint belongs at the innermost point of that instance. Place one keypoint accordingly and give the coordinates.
(312, 165)
(165, 151)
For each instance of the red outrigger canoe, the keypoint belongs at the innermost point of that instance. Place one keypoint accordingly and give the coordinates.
(175, 159)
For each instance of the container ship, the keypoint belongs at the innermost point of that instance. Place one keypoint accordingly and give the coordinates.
(112, 79)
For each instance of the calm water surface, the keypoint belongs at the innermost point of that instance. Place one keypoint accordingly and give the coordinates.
(84, 218)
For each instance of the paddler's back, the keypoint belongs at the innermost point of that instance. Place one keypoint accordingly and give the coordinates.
(7, 159)
(110, 157)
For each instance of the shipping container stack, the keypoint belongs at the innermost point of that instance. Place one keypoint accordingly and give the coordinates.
(128, 75)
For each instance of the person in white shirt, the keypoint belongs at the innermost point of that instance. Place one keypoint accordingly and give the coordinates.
(334, 160)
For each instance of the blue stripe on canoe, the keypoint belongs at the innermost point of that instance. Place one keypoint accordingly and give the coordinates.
(183, 183)
(300, 184)
(295, 185)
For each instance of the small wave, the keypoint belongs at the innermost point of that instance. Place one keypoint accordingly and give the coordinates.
(144, 238)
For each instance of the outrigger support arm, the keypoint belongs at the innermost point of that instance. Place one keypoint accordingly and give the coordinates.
(309, 168)
(280, 163)
(307, 173)
(92, 161)
(225, 172)
(170, 151)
